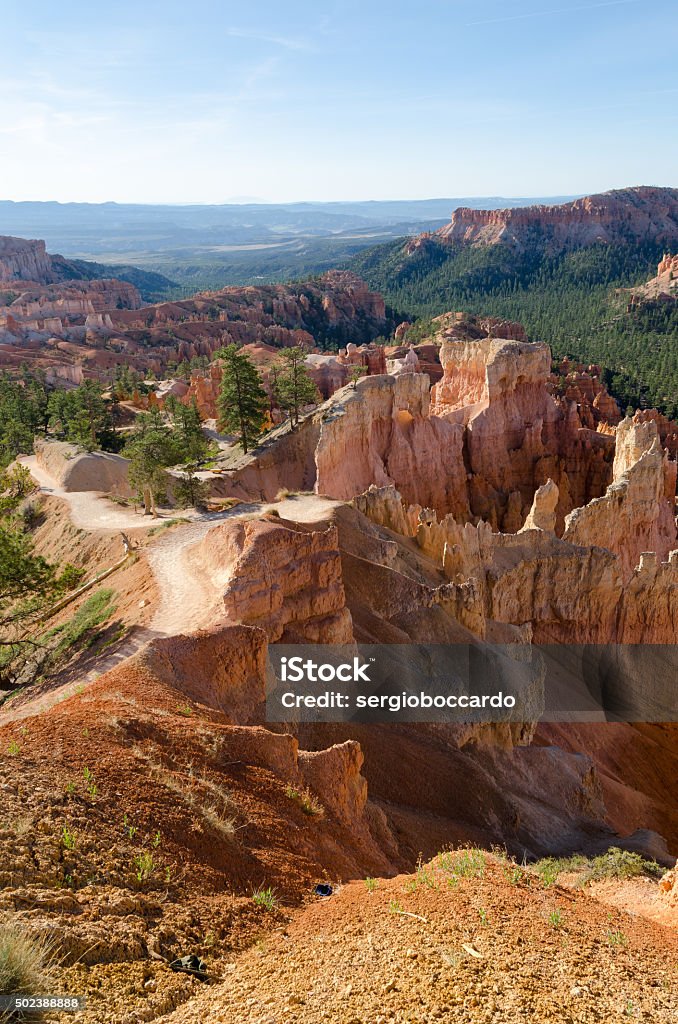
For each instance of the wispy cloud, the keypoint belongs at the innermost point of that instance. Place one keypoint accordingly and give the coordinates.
(555, 10)
(286, 42)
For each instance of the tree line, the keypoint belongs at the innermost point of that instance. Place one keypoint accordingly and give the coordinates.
(576, 301)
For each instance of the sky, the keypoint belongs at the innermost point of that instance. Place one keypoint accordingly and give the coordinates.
(209, 101)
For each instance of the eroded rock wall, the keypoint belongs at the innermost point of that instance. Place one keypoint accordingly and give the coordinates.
(381, 433)
(286, 581)
(517, 436)
(637, 512)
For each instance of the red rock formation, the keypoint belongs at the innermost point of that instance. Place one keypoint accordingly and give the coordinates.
(517, 437)
(573, 382)
(427, 359)
(75, 299)
(636, 513)
(148, 338)
(666, 428)
(662, 288)
(25, 260)
(632, 214)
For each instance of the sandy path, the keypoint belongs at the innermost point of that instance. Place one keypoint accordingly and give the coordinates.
(88, 509)
(190, 599)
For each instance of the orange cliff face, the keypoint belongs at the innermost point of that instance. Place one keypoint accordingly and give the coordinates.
(632, 214)
(25, 259)
(517, 435)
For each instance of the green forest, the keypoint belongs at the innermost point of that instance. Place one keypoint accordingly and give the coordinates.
(568, 299)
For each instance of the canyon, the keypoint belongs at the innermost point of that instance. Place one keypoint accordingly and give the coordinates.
(80, 329)
(467, 489)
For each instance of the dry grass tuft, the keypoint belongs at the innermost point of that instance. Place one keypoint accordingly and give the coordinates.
(27, 962)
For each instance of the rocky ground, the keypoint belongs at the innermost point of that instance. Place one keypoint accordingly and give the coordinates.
(469, 937)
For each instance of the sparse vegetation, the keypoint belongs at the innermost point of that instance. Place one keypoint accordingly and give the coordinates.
(81, 629)
(144, 865)
(68, 838)
(29, 586)
(371, 884)
(616, 863)
(308, 802)
(266, 898)
(212, 802)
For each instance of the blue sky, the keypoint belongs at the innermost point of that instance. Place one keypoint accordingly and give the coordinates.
(205, 101)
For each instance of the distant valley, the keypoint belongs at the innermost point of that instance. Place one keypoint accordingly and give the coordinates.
(206, 247)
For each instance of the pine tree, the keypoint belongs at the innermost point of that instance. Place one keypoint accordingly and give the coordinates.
(294, 387)
(242, 401)
(192, 445)
(151, 448)
(82, 415)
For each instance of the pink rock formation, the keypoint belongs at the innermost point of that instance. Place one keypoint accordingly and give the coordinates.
(617, 216)
(573, 382)
(25, 260)
(286, 581)
(427, 356)
(517, 436)
(101, 322)
(636, 513)
(381, 432)
(663, 287)
(666, 428)
(77, 299)
(542, 515)
(77, 470)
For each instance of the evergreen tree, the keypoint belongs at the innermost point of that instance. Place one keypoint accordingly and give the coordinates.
(242, 401)
(192, 445)
(83, 415)
(151, 449)
(294, 387)
(23, 413)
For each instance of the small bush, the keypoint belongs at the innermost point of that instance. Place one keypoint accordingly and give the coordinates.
(265, 898)
(618, 863)
(307, 801)
(26, 961)
(144, 866)
(615, 863)
(371, 884)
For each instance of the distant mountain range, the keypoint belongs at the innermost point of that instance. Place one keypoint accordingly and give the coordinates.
(97, 230)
